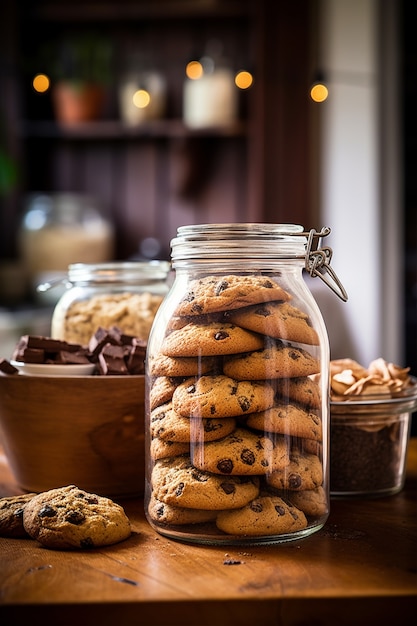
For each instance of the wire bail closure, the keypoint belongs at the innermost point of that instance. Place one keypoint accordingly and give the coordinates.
(317, 261)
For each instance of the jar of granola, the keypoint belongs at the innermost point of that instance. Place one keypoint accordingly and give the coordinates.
(125, 294)
(237, 377)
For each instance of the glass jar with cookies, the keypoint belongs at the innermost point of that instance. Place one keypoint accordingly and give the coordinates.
(125, 295)
(237, 393)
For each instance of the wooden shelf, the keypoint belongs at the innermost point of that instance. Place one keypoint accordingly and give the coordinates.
(114, 129)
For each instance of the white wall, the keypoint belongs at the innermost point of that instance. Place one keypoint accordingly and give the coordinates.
(351, 181)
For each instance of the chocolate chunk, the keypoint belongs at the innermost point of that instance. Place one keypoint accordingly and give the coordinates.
(256, 507)
(228, 488)
(248, 457)
(87, 543)
(294, 481)
(225, 466)
(280, 509)
(47, 511)
(75, 517)
(7, 368)
(244, 403)
(221, 286)
(221, 335)
(111, 361)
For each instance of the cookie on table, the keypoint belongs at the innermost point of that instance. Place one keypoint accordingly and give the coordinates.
(280, 320)
(302, 390)
(221, 396)
(161, 449)
(167, 514)
(68, 518)
(242, 453)
(177, 482)
(312, 502)
(167, 424)
(304, 471)
(210, 340)
(265, 515)
(162, 365)
(162, 390)
(224, 293)
(11, 515)
(287, 419)
(277, 360)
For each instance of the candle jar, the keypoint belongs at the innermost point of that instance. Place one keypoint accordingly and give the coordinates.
(236, 399)
(126, 295)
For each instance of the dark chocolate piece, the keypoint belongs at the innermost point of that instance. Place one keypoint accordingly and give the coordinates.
(7, 368)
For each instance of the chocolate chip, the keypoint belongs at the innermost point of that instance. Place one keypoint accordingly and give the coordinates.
(225, 466)
(47, 511)
(294, 355)
(256, 507)
(221, 286)
(160, 511)
(280, 509)
(191, 389)
(221, 335)
(294, 481)
(247, 456)
(18, 513)
(75, 517)
(210, 426)
(179, 489)
(267, 284)
(212, 409)
(228, 488)
(87, 543)
(263, 311)
(92, 500)
(244, 403)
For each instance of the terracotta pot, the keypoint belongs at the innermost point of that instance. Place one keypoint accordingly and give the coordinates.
(77, 102)
(87, 431)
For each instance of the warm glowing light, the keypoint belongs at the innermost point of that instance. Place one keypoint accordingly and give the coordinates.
(243, 80)
(194, 70)
(141, 98)
(41, 83)
(319, 92)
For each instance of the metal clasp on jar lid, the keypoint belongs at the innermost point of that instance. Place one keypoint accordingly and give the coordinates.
(318, 258)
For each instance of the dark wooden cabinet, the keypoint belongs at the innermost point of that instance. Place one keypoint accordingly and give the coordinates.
(152, 178)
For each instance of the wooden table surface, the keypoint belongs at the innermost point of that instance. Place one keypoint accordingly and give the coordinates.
(361, 568)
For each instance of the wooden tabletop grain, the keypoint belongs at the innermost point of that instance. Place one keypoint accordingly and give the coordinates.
(361, 568)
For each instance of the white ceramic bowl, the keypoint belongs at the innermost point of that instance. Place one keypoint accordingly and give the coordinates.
(53, 369)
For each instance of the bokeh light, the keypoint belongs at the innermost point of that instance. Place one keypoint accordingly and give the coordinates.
(194, 70)
(319, 92)
(141, 98)
(243, 79)
(41, 83)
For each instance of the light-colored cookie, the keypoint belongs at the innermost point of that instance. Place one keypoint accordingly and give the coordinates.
(210, 340)
(178, 482)
(280, 320)
(167, 424)
(11, 515)
(287, 419)
(167, 514)
(162, 390)
(266, 515)
(302, 390)
(161, 449)
(311, 501)
(242, 453)
(224, 293)
(221, 396)
(162, 365)
(67, 518)
(304, 471)
(278, 360)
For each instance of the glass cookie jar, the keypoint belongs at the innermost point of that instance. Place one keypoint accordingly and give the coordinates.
(125, 294)
(236, 399)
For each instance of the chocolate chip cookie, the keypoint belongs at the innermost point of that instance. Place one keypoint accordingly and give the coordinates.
(177, 482)
(11, 515)
(224, 293)
(265, 515)
(221, 396)
(68, 518)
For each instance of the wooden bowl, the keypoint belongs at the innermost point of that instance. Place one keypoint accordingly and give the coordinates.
(87, 431)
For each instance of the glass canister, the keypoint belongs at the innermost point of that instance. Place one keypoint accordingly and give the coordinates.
(125, 294)
(237, 397)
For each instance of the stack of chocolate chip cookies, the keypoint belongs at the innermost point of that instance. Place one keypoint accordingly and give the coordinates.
(235, 414)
